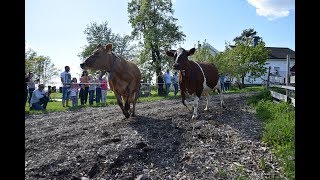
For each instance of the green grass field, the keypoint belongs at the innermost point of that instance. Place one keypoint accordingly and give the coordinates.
(111, 100)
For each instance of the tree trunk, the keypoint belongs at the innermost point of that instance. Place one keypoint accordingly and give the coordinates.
(242, 82)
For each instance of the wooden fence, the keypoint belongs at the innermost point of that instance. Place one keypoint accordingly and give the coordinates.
(287, 83)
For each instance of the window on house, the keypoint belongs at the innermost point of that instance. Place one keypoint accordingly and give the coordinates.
(276, 70)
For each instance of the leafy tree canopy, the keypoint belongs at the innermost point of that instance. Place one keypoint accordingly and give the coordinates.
(154, 26)
(41, 66)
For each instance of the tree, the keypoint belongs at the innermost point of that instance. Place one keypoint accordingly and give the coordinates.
(41, 66)
(246, 57)
(202, 53)
(153, 24)
(102, 34)
(220, 60)
(247, 34)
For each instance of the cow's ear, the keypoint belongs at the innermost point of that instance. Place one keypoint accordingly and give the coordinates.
(109, 47)
(99, 46)
(170, 53)
(191, 51)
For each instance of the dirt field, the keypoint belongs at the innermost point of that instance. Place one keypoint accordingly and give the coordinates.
(99, 143)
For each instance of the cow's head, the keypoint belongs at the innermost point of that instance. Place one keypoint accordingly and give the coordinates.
(100, 58)
(181, 57)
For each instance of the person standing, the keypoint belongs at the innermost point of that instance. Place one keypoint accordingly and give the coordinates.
(84, 88)
(98, 87)
(104, 89)
(222, 77)
(26, 80)
(31, 85)
(39, 99)
(74, 88)
(167, 81)
(65, 77)
(92, 89)
(160, 84)
(175, 82)
(227, 83)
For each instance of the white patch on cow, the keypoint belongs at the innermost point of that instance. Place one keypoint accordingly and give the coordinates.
(206, 88)
(178, 56)
(207, 97)
(195, 107)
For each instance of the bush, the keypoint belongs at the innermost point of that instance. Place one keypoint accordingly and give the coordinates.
(261, 96)
(279, 128)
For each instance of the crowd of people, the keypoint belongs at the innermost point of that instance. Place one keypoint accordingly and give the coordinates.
(225, 82)
(166, 80)
(89, 87)
(92, 88)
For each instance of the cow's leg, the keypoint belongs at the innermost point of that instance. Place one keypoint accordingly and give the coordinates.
(120, 103)
(195, 107)
(218, 87)
(134, 101)
(207, 97)
(184, 101)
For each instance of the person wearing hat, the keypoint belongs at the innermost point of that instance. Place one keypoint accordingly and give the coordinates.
(39, 99)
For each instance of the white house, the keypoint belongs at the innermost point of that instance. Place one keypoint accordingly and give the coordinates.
(277, 61)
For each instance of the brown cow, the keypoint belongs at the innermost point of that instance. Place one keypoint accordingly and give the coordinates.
(124, 76)
(195, 78)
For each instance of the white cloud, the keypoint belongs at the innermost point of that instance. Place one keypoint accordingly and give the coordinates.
(273, 9)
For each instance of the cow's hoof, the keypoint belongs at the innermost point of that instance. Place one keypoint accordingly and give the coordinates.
(194, 117)
(133, 115)
(127, 115)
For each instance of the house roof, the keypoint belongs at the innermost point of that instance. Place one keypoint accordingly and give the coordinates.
(278, 52)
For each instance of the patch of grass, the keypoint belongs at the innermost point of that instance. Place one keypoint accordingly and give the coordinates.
(56, 105)
(222, 173)
(263, 95)
(279, 129)
(241, 172)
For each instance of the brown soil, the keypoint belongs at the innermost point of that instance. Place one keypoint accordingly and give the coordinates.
(99, 143)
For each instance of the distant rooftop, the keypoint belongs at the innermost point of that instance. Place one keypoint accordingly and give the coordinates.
(278, 52)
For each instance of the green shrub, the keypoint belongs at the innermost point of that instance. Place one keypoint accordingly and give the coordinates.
(278, 130)
(263, 95)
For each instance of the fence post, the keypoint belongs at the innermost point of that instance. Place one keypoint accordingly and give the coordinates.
(288, 77)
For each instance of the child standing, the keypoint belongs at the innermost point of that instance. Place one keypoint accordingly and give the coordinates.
(104, 89)
(74, 89)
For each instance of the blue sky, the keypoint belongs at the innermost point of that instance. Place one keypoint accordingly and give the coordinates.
(55, 28)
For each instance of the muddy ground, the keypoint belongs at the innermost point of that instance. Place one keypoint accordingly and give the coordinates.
(99, 143)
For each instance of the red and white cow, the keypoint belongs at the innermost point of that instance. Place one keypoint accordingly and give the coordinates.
(195, 78)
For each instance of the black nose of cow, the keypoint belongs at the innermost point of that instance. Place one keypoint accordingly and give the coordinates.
(81, 65)
(176, 66)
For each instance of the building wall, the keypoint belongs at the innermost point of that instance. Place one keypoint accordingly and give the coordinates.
(280, 64)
